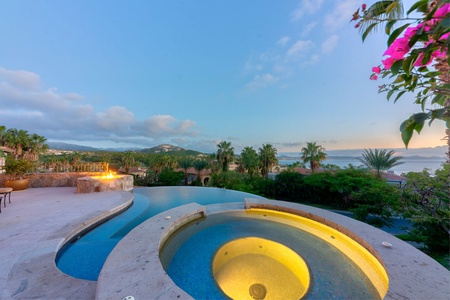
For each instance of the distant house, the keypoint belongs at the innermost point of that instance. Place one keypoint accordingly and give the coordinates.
(135, 171)
(205, 175)
(393, 178)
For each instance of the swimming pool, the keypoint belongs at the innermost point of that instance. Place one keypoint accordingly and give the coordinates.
(84, 257)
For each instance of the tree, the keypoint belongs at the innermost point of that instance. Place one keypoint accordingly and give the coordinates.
(18, 140)
(380, 160)
(199, 166)
(185, 163)
(250, 160)
(268, 158)
(313, 154)
(426, 200)
(128, 160)
(424, 43)
(225, 154)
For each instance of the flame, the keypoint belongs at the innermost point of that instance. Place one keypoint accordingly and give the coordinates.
(110, 176)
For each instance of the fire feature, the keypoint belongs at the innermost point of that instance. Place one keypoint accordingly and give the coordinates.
(105, 182)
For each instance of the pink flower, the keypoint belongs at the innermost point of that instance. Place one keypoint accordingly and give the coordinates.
(364, 7)
(411, 31)
(376, 70)
(388, 62)
(442, 11)
(419, 63)
(373, 77)
(398, 48)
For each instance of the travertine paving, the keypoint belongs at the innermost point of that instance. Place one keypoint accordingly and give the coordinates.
(34, 226)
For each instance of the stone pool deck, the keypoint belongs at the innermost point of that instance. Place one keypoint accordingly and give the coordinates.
(40, 220)
(34, 226)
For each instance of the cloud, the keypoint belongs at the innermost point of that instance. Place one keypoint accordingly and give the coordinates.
(329, 44)
(21, 79)
(261, 81)
(308, 28)
(339, 16)
(306, 7)
(283, 41)
(115, 118)
(57, 116)
(299, 49)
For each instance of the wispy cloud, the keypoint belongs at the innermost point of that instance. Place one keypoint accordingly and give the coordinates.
(308, 28)
(306, 7)
(299, 49)
(329, 44)
(283, 41)
(261, 81)
(57, 116)
(339, 16)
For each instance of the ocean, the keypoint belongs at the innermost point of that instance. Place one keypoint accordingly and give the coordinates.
(410, 164)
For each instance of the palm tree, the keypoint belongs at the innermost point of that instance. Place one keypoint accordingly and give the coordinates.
(379, 160)
(36, 146)
(386, 9)
(199, 166)
(185, 163)
(225, 154)
(128, 160)
(268, 158)
(18, 140)
(250, 160)
(313, 154)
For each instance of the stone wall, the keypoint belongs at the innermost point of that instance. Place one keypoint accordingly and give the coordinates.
(90, 184)
(53, 179)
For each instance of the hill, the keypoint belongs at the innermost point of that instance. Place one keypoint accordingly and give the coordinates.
(171, 150)
(70, 147)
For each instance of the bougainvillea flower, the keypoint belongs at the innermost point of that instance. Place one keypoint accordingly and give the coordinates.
(442, 11)
(398, 48)
(418, 62)
(364, 7)
(388, 62)
(411, 31)
(376, 70)
(373, 77)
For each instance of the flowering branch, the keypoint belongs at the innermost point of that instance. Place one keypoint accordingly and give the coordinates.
(416, 59)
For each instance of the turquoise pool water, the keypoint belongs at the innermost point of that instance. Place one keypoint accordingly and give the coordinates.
(84, 258)
(187, 257)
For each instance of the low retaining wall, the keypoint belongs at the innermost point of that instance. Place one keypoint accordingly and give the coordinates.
(65, 179)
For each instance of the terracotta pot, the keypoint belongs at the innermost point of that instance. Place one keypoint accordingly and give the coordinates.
(17, 184)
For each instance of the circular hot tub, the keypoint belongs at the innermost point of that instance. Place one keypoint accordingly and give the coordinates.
(257, 268)
(267, 254)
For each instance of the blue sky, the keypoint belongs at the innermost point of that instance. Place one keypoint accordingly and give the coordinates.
(194, 73)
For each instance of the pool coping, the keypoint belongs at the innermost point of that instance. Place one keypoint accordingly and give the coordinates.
(137, 271)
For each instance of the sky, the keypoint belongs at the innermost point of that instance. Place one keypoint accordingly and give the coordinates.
(111, 73)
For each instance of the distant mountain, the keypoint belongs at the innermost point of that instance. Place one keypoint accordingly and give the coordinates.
(422, 152)
(171, 150)
(70, 147)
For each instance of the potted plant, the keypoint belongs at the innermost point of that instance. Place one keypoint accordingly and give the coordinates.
(15, 170)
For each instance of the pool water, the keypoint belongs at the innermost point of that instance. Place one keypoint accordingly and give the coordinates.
(84, 257)
(187, 257)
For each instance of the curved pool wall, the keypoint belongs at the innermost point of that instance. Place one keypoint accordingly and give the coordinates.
(84, 254)
(339, 268)
(134, 267)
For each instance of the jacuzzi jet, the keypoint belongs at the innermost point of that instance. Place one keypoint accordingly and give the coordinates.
(257, 291)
